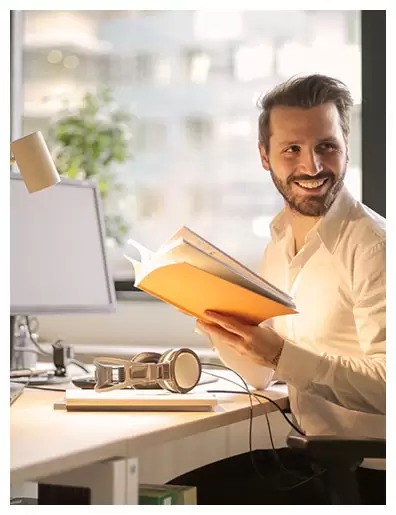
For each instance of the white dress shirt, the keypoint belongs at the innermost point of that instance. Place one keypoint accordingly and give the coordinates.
(333, 359)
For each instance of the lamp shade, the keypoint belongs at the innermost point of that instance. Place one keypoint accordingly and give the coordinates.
(35, 162)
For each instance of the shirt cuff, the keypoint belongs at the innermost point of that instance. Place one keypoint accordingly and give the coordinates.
(297, 366)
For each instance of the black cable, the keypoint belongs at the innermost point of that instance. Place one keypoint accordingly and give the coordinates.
(41, 351)
(252, 459)
(272, 444)
(34, 387)
(293, 473)
(305, 479)
(254, 395)
(296, 428)
(259, 395)
(251, 406)
(274, 451)
(81, 365)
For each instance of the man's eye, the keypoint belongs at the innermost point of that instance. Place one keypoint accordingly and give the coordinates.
(292, 149)
(327, 147)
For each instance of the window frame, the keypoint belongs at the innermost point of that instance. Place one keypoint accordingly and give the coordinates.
(373, 35)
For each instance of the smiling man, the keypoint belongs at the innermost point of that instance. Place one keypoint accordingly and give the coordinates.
(327, 250)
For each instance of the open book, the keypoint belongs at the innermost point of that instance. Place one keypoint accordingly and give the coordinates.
(193, 275)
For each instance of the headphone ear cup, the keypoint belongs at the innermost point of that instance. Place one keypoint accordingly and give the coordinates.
(165, 356)
(184, 368)
(166, 384)
(147, 357)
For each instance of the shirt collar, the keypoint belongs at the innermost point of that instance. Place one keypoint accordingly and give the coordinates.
(330, 227)
(278, 226)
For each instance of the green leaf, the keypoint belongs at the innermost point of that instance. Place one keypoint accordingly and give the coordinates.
(88, 141)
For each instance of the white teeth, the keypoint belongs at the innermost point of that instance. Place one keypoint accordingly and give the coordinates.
(311, 184)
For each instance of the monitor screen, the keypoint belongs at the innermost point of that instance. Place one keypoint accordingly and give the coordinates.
(58, 260)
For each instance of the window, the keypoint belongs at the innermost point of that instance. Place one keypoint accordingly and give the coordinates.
(149, 134)
(198, 131)
(191, 80)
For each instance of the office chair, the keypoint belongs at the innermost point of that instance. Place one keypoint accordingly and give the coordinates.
(340, 458)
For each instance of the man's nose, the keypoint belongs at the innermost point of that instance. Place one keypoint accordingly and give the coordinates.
(311, 163)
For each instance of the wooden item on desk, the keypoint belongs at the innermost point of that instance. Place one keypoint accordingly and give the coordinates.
(135, 400)
(193, 275)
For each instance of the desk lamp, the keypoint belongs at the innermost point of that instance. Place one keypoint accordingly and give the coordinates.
(38, 171)
(34, 161)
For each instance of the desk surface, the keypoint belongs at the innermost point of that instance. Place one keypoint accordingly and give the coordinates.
(45, 441)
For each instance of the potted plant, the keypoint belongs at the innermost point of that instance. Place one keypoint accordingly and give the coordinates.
(87, 143)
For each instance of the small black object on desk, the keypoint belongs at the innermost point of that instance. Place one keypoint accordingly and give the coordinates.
(84, 382)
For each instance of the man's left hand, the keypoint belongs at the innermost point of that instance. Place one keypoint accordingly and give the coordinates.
(261, 344)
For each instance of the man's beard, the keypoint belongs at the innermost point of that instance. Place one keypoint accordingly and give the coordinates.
(310, 205)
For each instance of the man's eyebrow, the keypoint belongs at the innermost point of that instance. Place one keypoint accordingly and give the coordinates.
(289, 142)
(330, 139)
(285, 143)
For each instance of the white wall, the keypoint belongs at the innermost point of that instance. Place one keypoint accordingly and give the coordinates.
(145, 323)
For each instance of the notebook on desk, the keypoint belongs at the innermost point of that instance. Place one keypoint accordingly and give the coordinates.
(135, 400)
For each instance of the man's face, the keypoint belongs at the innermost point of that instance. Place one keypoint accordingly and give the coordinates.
(307, 156)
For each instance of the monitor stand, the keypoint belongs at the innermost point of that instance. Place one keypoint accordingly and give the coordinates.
(24, 350)
(23, 361)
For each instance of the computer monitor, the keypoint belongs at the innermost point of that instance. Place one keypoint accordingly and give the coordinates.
(58, 260)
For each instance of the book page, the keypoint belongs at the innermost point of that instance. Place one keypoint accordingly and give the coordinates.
(208, 248)
(143, 268)
(145, 253)
(149, 260)
(184, 251)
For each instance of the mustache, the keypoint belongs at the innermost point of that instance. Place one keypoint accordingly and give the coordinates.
(318, 177)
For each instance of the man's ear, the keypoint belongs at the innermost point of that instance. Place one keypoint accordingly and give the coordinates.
(264, 157)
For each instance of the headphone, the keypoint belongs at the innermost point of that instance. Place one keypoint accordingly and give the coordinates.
(177, 370)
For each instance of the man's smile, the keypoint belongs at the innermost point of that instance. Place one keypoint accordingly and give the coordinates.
(311, 186)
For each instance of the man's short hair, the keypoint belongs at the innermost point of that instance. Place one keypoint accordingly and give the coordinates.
(306, 92)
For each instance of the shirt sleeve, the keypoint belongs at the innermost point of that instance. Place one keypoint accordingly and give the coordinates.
(354, 383)
(255, 375)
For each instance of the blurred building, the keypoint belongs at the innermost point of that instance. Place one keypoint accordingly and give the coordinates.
(191, 80)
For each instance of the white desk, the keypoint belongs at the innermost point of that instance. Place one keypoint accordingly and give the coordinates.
(102, 450)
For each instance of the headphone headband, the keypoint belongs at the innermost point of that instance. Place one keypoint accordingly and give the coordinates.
(177, 370)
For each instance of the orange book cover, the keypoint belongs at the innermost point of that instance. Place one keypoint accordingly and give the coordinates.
(193, 275)
(193, 291)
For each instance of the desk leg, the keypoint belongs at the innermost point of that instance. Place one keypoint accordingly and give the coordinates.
(109, 482)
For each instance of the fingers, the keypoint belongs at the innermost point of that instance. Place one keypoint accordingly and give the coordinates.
(216, 332)
(229, 323)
